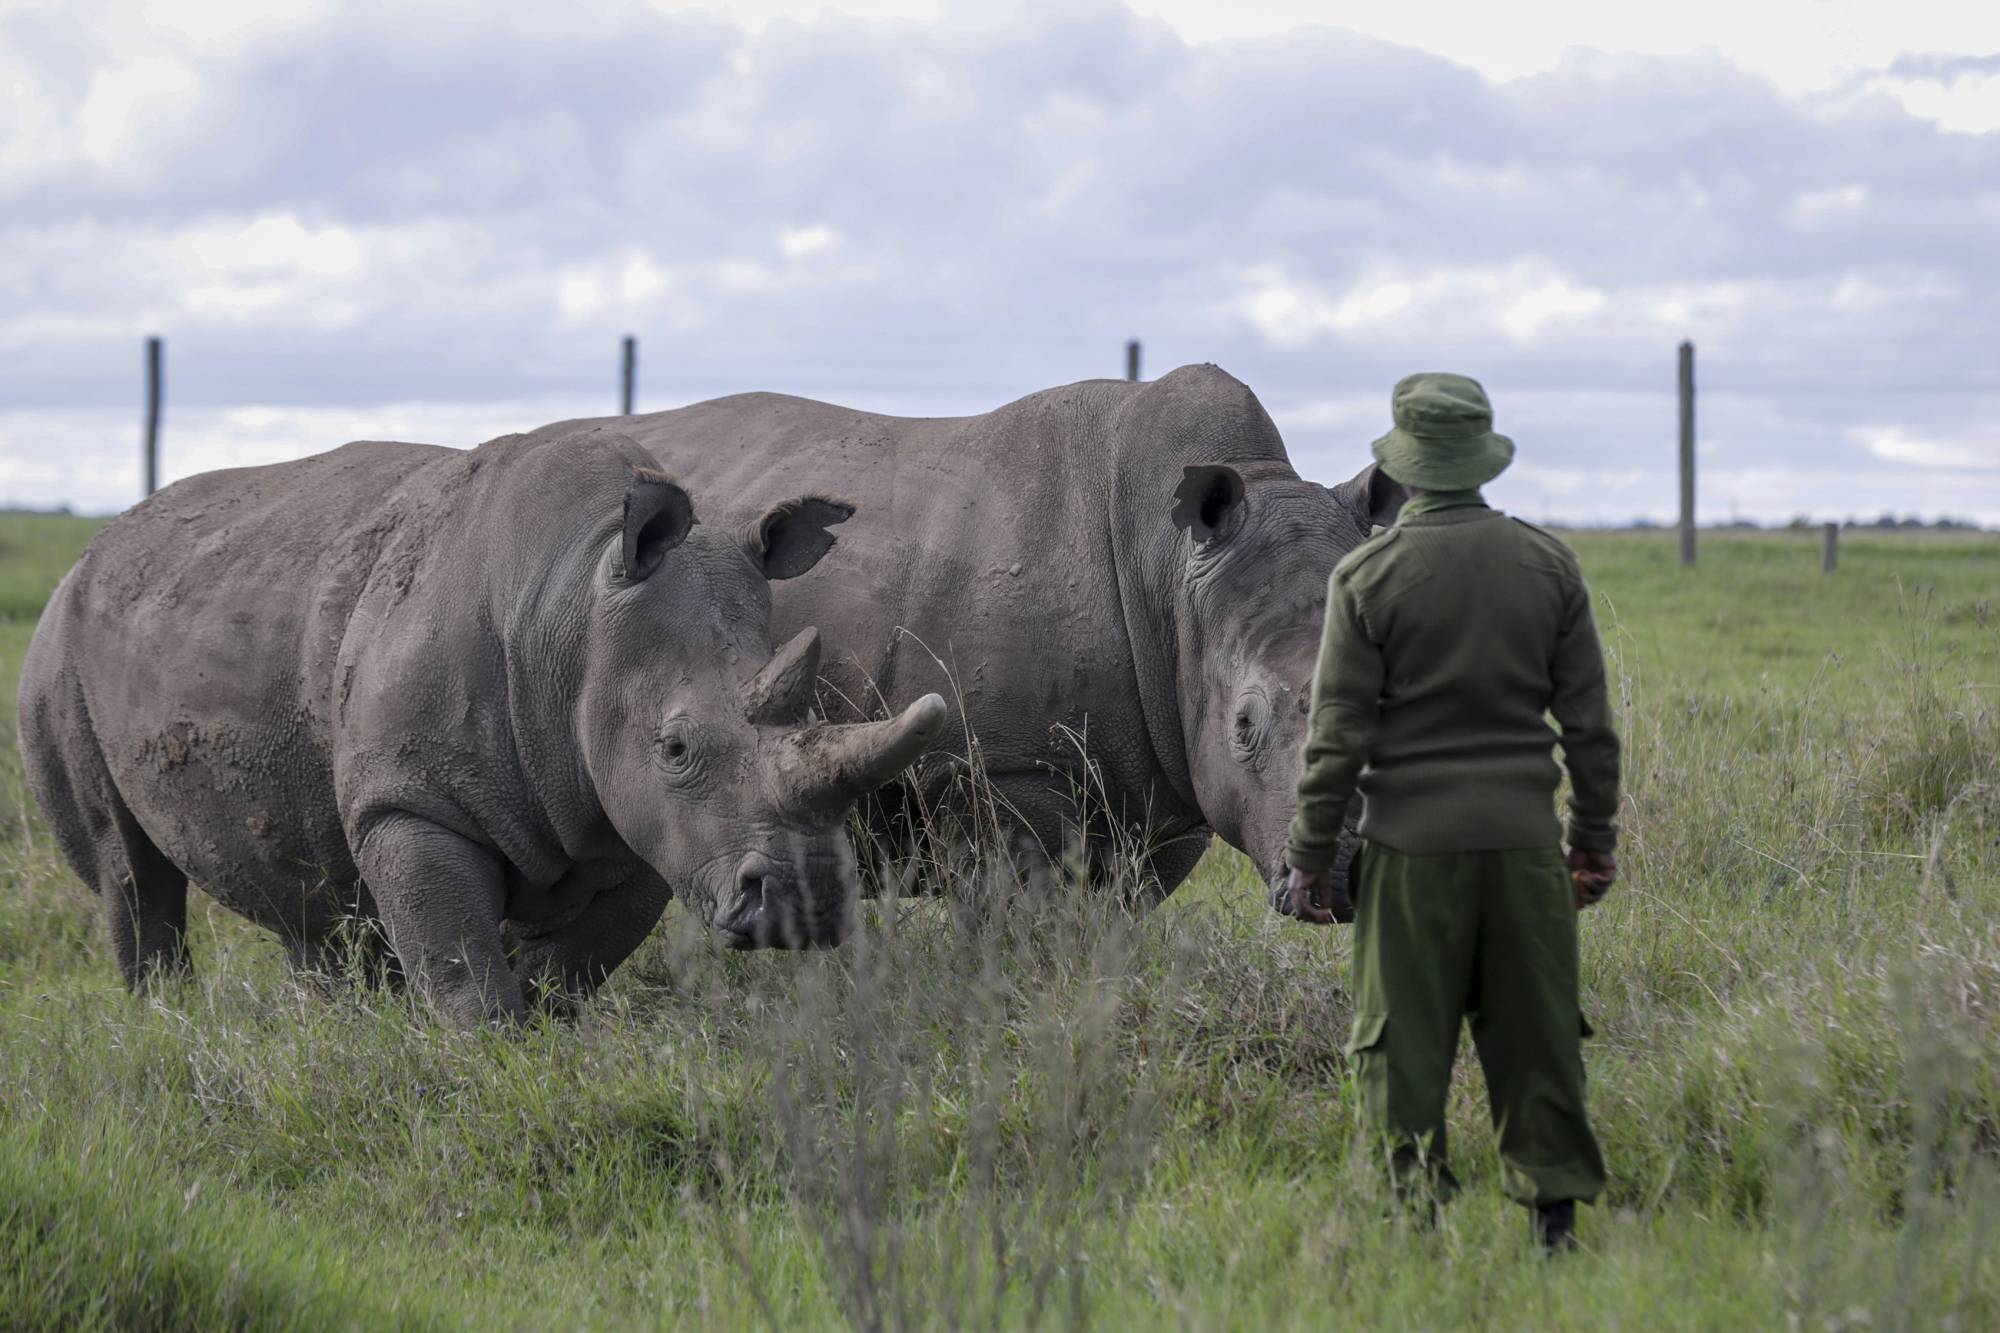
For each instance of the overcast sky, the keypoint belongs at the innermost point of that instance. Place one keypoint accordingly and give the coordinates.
(434, 221)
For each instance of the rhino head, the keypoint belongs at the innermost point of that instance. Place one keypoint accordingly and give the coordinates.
(699, 739)
(1256, 545)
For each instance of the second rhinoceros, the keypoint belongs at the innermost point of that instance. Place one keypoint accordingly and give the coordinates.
(504, 701)
(1121, 584)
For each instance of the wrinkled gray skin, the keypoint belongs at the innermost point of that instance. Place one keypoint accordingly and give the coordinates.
(1140, 560)
(499, 700)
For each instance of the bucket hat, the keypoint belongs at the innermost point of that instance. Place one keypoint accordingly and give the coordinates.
(1443, 439)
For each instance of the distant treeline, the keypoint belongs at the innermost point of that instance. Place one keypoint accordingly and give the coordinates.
(1801, 523)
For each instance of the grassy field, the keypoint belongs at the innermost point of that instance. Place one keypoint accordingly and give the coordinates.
(1000, 1110)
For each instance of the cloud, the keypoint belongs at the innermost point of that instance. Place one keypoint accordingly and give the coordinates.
(124, 100)
(90, 457)
(1518, 300)
(1817, 206)
(1960, 94)
(1799, 44)
(1977, 452)
(337, 211)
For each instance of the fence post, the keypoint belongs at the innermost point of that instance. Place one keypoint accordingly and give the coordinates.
(1829, 551)
(630, 375)
(1687, 453)
(1132, 359)
(152, 415)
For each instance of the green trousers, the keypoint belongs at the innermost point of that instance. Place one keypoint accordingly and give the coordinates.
(1490, 937)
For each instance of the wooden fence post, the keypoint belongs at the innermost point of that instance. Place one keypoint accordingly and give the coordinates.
(631, 374)
(1829, 551)
(152, 415)
(1132, 359)
(1687, 453)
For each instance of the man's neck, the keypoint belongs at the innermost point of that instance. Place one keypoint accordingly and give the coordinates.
(1425, 502)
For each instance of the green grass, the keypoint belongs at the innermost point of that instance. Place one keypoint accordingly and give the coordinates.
(36, 550)
(1006, 1109)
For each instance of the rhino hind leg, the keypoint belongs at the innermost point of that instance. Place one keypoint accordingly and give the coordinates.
(145, 910)
(142, 894)
(440, 895)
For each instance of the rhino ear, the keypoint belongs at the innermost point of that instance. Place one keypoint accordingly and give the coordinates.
(658, 516)
(1208, 504)
(1373, 495)
(791, 538)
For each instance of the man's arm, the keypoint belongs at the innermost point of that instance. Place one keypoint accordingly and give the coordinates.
(1582, 708)
(1340, 733)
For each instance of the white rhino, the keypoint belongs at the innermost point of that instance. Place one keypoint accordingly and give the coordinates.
(1134, 563)
(505, 701)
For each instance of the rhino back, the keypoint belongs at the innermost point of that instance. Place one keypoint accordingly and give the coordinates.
(199, 634)
(977, 563)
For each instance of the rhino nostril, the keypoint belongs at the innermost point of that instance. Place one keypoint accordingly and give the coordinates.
(753, 883)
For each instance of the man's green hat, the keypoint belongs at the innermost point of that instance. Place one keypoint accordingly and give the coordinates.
(1443, 440)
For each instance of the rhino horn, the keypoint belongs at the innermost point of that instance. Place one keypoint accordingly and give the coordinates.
(783, 690)
(839, 764)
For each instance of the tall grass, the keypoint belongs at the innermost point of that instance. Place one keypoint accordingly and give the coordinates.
(1008, 1101)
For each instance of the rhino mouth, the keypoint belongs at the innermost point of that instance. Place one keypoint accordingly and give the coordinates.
(767, 910)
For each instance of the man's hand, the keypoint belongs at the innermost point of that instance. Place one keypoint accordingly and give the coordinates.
(1314, 897)
(1591, 873)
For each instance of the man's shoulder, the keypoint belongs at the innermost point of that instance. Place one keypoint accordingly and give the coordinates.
(1387, 565)
(1379, 543)
(1542, 543)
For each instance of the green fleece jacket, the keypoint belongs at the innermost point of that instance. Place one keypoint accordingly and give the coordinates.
(1450, 639)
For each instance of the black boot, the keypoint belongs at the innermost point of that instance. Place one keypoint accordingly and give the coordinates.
(1555, 1226)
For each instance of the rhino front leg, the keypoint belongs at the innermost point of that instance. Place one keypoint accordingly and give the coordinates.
(441, 896)
(564, 965)
(1167, 866)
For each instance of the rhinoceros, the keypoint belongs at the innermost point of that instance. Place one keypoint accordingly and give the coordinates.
(1121, 585)
(502, 701)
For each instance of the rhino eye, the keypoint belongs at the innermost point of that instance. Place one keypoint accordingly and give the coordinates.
(1246, 731)
(674, 747)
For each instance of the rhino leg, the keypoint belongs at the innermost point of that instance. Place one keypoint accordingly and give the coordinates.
(562, 966)
(440, 895)
(143, 894)
(357, 949)
(147, 915)
(1043, 831)
(1170, 863)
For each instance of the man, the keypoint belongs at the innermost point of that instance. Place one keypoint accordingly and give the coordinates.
(1449, 639)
